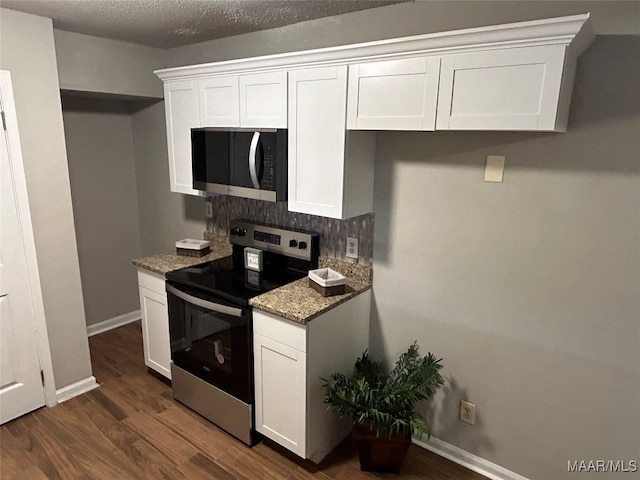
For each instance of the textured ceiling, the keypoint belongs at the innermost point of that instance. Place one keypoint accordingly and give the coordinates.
(173, 23)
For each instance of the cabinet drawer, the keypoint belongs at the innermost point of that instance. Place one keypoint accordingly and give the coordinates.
(281, 330)
(152, 281)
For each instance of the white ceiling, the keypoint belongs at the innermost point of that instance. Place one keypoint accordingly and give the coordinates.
(173, 23)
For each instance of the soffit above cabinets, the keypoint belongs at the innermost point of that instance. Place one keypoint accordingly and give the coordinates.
(573, 31)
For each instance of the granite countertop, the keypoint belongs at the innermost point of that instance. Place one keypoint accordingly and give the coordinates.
(295, 301)
(167, 262)
(300, 303)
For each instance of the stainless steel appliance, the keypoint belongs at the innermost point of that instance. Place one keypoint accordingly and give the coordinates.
(240, 162)
(210, 324)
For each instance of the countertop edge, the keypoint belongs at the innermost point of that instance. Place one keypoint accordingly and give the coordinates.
(303, 320)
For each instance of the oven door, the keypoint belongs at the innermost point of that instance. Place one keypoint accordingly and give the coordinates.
(211, 339)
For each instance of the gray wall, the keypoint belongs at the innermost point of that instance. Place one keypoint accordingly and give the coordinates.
(404, 19)
(165, 217)
(99, 139)
(27, 51)
(92, 64)
(114, 70)
(529, 288)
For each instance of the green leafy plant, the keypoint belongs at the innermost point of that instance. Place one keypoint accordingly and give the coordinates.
(386, 401)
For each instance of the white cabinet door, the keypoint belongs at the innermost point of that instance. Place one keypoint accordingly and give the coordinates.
(182, 113)
(280, 389)
(263, 100)
(219, 102)
(317, 111)
(155, 322)
(393, 95)
(511, 89)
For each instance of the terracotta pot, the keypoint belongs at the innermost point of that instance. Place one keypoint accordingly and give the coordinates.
(379, 454)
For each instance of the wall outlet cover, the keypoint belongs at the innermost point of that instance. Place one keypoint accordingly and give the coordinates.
(467, 412)
(352, 247)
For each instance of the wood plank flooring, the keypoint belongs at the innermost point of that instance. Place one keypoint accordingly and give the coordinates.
(131, 428)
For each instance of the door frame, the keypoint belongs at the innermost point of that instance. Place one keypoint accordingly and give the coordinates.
(24, 213)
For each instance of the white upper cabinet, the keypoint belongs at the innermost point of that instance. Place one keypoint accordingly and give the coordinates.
(257, 100)
(516, 76)
(263, 100)
(182, 114)
(393, 95)
(511, 89)
(330, 173)
(219, 102)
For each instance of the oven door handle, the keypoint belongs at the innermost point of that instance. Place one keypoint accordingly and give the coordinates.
(216, 307)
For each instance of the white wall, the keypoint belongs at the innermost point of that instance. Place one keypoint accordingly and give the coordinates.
(27, 51)
(102, 172)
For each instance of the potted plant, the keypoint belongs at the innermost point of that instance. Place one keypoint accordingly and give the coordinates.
(382, 405)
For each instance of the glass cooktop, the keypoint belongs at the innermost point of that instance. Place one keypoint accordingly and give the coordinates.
(231, 281)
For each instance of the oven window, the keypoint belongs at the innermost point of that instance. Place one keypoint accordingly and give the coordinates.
(212, 345)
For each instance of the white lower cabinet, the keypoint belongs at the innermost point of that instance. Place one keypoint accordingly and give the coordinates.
(289, 361)
(155, 322)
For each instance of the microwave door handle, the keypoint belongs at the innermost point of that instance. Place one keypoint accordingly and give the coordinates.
(253, 152)
(234, 312)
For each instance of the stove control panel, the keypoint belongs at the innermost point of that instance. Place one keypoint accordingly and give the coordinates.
(293, 243)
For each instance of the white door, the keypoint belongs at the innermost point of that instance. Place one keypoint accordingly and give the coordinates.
(394, 94)
(21, 384)
(510, 89)
(263, 100)
(280, 381)
(182, 111)
(219, 103)
(317, 130)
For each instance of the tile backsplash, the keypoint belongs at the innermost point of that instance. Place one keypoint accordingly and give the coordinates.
(333, 233)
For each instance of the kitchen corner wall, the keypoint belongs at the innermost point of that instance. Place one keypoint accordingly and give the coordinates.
(27, 50)
(333, 233)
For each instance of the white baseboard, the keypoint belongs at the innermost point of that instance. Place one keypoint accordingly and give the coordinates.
(78, 388)
(111, 323)
(468, 460)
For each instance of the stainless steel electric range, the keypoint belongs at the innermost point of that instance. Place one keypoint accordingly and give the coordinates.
(210, 321)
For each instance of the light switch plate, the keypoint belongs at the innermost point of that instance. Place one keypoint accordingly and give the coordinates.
(494, 170)
(352, 247)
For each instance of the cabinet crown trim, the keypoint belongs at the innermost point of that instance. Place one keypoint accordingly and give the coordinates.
(574, 30)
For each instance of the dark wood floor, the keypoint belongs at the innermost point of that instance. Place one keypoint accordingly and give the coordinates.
(130, 427)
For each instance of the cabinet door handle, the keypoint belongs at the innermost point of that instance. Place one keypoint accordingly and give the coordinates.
(253, 151)
(234, 312)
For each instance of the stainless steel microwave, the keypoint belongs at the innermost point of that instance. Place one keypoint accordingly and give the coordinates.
(240, 162)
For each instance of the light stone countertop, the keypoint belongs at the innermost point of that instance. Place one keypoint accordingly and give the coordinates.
(300, 303)
(295, 301)
(167, 262)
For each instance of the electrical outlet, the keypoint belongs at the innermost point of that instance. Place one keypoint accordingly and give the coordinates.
(352, 247)
(208, 209)
(467, 412)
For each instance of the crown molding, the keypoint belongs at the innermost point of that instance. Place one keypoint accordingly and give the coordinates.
(575, 29)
